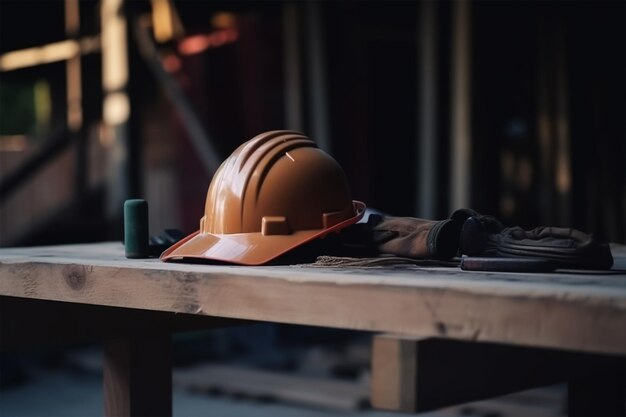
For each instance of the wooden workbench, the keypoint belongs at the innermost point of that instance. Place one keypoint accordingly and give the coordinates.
(93, 290)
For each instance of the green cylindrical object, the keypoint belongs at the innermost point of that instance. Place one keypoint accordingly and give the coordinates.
(136, 228)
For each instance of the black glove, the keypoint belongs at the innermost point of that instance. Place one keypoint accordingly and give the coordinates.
(479, 234)
(566, 247)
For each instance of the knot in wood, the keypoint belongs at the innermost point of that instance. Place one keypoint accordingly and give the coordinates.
(75, 276)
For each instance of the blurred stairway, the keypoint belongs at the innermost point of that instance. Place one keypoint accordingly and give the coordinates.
(39, 200)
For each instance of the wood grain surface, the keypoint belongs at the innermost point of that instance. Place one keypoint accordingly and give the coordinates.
(574, 310)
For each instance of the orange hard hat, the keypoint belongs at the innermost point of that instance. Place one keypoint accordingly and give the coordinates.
(275, 192)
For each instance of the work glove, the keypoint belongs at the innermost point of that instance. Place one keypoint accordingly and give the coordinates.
(412, 237)
(479, 234)
(470, 233)
(565, 247)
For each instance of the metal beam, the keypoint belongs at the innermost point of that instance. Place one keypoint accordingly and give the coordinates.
(46, 54)
(426, 194)
(461, 139)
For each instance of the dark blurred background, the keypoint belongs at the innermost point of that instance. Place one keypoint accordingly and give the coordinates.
(516, 109)
(513, 108)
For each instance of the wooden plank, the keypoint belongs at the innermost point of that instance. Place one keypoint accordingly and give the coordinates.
(426, 191)
(137, 376)
(274, 386)
(461, 103)
(521, 404)
(577, 311)
(412, 375)
(394, 373)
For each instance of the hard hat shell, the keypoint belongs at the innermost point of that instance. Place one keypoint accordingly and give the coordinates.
(274, 193)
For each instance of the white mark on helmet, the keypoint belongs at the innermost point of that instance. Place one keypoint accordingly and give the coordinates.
(290, 157)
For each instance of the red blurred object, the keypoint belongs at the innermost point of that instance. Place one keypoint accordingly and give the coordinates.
(196, 44)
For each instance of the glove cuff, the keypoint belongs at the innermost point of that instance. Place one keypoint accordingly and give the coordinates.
(443, 239)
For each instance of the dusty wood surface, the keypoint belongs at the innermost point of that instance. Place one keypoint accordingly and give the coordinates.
(578, 311)
(270, 385)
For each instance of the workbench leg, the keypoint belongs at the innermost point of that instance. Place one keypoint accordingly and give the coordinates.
(597, 395)
(138, 376)
(415, 375)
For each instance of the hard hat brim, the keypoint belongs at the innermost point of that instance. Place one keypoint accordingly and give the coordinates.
(249, 248)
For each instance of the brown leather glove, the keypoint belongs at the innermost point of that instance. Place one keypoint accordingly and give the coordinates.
(413, 237)
(408, 237)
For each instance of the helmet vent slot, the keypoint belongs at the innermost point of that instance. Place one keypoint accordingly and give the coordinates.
(274, 225)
